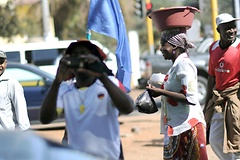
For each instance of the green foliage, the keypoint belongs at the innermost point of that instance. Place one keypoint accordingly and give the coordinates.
(10, 24)
(204, 16)
(32, 21)
(165, 3)
(70, 19)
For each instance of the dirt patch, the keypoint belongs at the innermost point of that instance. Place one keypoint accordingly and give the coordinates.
(141, 138)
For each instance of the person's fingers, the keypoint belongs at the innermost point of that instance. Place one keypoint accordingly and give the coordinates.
(89, 72)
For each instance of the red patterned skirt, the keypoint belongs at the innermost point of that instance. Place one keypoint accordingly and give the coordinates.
(189, 145)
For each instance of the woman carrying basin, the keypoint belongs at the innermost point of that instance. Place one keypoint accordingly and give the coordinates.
(184, 135)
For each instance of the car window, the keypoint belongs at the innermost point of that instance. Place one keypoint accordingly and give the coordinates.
(25, 77)
(44, 56)
(13, 56)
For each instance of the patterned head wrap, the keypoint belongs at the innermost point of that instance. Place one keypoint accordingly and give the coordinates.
(177, 37)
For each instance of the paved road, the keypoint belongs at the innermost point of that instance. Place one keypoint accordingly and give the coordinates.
(139, 133)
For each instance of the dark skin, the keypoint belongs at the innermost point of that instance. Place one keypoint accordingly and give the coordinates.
(84, 78)
(228, 34)
(169, 52)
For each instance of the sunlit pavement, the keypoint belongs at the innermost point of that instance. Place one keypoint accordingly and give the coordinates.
(136, 124)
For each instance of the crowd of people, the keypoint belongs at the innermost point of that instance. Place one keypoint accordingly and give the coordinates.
(91, 99)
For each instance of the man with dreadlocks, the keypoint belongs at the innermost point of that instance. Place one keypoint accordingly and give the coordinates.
(183, 117)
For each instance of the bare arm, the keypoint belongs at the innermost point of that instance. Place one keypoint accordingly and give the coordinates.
(122, 101)
(155, 92)
(48, 111)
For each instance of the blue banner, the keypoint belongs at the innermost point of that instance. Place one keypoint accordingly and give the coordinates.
(105, 17)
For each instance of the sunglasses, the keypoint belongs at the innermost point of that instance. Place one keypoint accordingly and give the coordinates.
(2, 60)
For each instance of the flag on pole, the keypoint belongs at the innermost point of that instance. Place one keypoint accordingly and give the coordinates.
(105, 17)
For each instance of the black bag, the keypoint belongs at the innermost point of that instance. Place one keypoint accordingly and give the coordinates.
(145, 103)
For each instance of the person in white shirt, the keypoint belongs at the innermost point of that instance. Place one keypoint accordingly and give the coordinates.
(13, 108)
(183, 116)
(91, 105)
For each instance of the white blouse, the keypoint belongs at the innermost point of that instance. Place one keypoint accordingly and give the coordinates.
(182, 78)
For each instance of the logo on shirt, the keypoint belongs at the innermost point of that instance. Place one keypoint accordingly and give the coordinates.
(100, 96)
(221, 69)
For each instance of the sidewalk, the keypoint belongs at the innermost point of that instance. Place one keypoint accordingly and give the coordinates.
(140, 135)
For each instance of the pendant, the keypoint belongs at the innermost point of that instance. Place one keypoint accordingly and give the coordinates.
(82, 108)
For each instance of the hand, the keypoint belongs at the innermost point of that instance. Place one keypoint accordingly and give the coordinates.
(153, 91)
(89, 72)
(63, 72)
(94, 67)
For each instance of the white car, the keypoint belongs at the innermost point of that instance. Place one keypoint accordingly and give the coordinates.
(46, 55)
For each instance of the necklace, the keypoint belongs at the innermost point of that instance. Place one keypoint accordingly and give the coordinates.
(82, 98)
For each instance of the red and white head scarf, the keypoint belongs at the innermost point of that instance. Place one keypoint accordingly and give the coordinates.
(177, 37)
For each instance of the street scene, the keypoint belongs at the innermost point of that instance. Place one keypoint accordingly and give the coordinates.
(110, 80)
(139, 134)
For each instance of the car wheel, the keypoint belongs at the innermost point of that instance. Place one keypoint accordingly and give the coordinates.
(202, 89)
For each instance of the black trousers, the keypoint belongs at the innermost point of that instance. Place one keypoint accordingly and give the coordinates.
(121, 157)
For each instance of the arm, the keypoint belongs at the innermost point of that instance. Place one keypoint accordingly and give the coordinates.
(20, 107)
(211, 78)
(48, 111)
(122, 101)
(210, 85)
(155, 92)
(186, 74)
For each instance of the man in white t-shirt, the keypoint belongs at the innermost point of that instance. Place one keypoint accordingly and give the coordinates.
(91, 105)
(13, 108)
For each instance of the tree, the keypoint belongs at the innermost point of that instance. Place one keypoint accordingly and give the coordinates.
(70, 19)
(10, 25)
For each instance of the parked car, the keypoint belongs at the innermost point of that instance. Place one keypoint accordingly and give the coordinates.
(36, 84)
(150, 64)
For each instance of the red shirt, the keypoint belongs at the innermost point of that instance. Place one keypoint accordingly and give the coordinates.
(224, 64)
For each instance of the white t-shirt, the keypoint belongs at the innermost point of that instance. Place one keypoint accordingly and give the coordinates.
(91, 119)
(182, 78)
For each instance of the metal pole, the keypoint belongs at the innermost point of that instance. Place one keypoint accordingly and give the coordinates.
(214, 5)
(46, 20)
(150, 32)
(237, 13)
